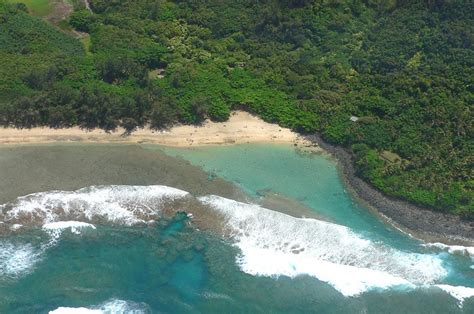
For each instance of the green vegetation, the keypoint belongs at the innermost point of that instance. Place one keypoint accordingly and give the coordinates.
(404, 68)
(86, 41)
(36, 7)
(29, 47)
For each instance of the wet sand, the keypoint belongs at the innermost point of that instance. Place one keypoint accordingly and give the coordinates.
(51, 165)
(29, 169)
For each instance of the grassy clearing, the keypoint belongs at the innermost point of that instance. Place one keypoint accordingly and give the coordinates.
(86, 41)
(64, 25)
(37, 7)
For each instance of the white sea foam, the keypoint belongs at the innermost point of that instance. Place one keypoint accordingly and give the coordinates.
(458, 292)
(75, 226)
(115, 203)
(16, 227)
(271, 243)
(453, 249)
(274, 244)
(56, 229)
(109, 307)
(120, 306)
(348, 280)
(17, 259)
(74, 310)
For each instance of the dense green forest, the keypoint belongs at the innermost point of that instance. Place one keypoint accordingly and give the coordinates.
(392, 80)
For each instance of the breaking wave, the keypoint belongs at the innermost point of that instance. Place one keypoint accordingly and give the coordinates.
(58, 211)
(56, 229)
(17, 260)
(271, 243)
(458, 292)
(452, 249)
(274, 244)
(112, 306)
(119, 204)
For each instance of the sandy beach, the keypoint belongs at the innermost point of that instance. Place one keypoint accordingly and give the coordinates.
(241, 128)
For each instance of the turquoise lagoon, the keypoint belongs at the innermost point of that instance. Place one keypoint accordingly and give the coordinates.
(267, 262)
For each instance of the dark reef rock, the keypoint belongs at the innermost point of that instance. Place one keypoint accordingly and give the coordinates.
(423, 222)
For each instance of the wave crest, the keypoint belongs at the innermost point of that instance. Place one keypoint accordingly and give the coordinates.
(116, 203)
(271, 243)
(274, 244)
(112, 306)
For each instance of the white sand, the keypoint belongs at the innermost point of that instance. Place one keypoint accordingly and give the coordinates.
(242, 127)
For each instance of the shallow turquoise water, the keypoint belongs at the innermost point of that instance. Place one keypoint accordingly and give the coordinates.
(311, 179)
(171, 267)
(184, 271)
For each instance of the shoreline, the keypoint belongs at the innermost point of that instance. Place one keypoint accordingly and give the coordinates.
(416, 221)
(241, 128)
(244, 128)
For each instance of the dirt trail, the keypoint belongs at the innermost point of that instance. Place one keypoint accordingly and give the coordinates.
(61, 10)
(88, 7)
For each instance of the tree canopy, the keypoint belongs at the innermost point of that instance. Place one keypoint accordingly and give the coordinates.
(405, 69)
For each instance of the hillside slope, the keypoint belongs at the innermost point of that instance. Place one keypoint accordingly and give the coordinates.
(391, 80)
